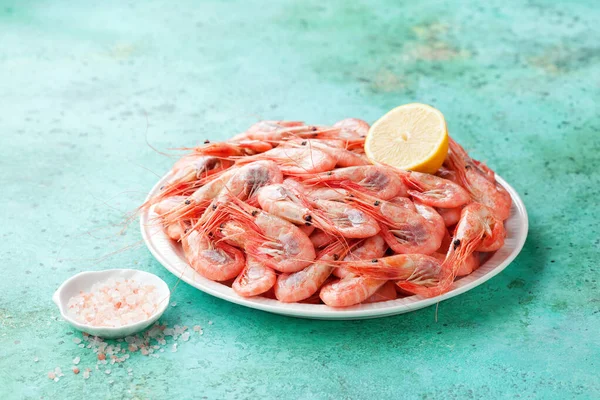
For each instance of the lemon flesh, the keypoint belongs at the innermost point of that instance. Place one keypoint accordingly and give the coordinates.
(410, 137)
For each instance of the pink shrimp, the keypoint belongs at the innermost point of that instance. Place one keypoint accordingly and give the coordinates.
(216, 261)
(377, 181)
(302, 284)
(244, 184)
(435, 220)
(352, 128)
(416, 273)
(373, 247)
(295, 160)
(470, 263)
(346, 220)
(282, 130)
(255, 279)
(195, 204)
(434, 191)
(343, 157)
(275, 242)
(477, 230)
(350, 290)
(174, 230)
(451, 216)
(353, 289)
(231, 148)
(477, 181)
(385, 293)
(285, 202)
(404, 230)
(321, 239)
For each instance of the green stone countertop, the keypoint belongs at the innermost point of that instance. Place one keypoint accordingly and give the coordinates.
(83, 85)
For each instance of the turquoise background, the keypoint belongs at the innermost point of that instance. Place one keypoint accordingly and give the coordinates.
(84, 85)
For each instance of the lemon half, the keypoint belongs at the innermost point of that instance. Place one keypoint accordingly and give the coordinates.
(411, 137)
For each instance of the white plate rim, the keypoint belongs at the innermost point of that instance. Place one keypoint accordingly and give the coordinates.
(161, 248)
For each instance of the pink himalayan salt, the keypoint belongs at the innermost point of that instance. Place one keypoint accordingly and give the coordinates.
(114, 303)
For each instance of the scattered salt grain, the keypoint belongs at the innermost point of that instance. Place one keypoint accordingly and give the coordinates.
(185, 336)
(114, 303)
(76, 360)
(35, 359)
(210, 322)
(82, 345)
(173, 304)
(76, 340)
(174, 348)
(86, 373)
(107, 372)
(197, 328)
(51, 375)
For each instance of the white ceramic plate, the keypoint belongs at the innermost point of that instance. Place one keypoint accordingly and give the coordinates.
(170, 255)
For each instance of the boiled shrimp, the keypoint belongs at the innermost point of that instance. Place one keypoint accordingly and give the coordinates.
(216, 261)
(477, 182)
(451, 216)
(369, 248)
(404, 230)
(434, 191)
(353, 289)
(231, 148)
(256, 278)
(296, 160)
(377, 181)
(416, 273)
(300, 285)
(385, 293)
(274, 241)
(335, 149)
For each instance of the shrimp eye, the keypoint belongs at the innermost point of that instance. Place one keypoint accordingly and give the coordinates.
(377, 203)
(222, 225)
(374, 260)
(308, 218)
(467, 166)
(350, 195)
(187, 202)
(330, 173)
(336, 257)
(214, 206)
(161, 188)
(206, 141)
(456, 243)
(304, 143)
(254, 213)
(314, 128)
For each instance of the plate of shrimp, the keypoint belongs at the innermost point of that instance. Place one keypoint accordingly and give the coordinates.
(293, 219)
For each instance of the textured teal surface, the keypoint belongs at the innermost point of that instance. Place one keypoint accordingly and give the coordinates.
(83, 84)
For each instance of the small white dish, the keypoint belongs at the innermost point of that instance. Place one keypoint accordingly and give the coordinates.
(84, 282)
(170, 255)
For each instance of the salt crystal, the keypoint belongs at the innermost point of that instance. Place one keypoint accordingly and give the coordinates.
(210, 322)
(174, 348)
(86, 373)
(114, 303)
(83, 345)
(56, 379)
(35, 359)
(162, 350)
(173, 304)
(76, 360)
(185, 336)
(197, 328)
(129, 369)
(76, 340)
(51, 375)
(107, 372)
